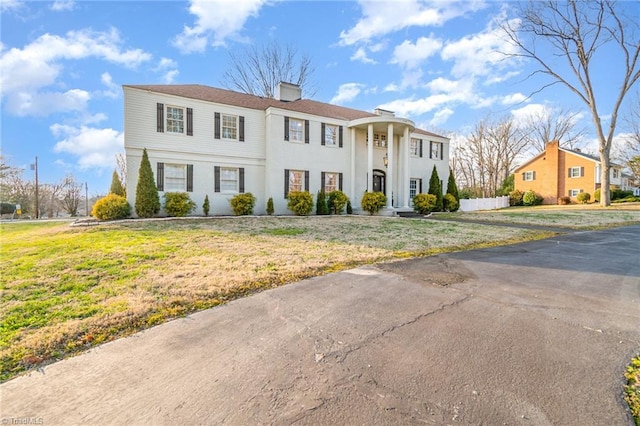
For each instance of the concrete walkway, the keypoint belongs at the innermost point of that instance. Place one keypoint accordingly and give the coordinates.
(533, 334)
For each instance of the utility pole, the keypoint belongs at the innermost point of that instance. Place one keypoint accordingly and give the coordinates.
(35, 167)
(86, 199)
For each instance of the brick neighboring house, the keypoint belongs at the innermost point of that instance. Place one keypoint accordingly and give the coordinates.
(218, 143)
(558, 172)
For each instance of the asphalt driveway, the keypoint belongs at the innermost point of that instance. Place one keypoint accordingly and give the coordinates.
(535, 333)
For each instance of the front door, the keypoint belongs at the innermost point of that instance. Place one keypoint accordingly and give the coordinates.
(379, 184)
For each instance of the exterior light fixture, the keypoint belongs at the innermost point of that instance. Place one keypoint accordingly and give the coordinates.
(385, 160)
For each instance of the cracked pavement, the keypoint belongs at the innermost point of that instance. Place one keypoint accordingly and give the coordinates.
(535, 333)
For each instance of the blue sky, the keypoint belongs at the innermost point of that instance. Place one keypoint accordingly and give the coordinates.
(63, 64)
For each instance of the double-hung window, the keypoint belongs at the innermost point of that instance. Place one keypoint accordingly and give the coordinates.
(575, 172)
(415, 186)
(228, 179)
(296, 130)
(414, 147)
(574, 192)
(379, 140)
(616, 173)
(330, 181)
(175, 177)
(330, 135)
(436, 150)
(175, 119)
(529, 176)
(295, 180)
(229, 127)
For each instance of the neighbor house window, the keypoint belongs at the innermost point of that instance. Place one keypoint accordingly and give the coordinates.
(574, 192)
(175, 119)
(435, 150)
(528, 176)
(616, 173)
(414, 148)
(229, 127)
(576, 172)
(414, 188)
(175, 177)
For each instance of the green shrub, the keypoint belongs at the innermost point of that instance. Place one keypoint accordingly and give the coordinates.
(337, 201)
(147, 199)
(450, 203)
(242, 204)
(530, 198)
(631, 199)
(515, 198)
(596, 195)
(7, 208)
(583, 197)
(372, 202)
(618, 193)
(206, 206)
(435, 188)
(349, 208)
(111, 207)
(116, 185)
(452, 187)
(270, 208)
(300, 202)
(425, 203)
(178, 204)
(321, 204)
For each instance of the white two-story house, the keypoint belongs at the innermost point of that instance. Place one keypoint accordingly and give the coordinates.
(210, 141)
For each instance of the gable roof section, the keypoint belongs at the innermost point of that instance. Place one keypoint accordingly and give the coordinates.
(229, 97)
(568, 151)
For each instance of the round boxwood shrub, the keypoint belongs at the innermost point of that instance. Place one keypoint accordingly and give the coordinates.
(111, 207)
(373, 202)
(300, 202)
(424, 203)
(337, 201)
(583, 197)
(596, 195)
(178, 204)
(450, 203)
(530, 198)
(242, 204)
(515, 198)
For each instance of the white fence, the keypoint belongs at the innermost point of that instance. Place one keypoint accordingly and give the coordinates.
(484, 204)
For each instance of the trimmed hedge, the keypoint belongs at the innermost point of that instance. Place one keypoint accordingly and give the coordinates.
(111, 207)
(300, 202)
(242, 204)
(178, 204)
(373, 202)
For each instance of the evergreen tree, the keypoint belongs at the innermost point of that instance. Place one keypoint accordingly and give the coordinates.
(322, 208)
(147, 198)
(206, 206)
(116, 185)
(435, 188)
(452, 188)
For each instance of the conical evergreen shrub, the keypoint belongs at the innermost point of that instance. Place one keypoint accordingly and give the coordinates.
(435, 188)
(147, 198)
(116, 185)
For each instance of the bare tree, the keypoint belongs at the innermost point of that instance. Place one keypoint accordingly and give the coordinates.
(14, 189)
(630, 152)
(71, 195)
(121, 169)
(486, 159)
(576, 31)
(542, 127)
(257, 70)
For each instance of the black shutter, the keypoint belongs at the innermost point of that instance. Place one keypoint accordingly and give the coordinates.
(216, 178)
(441, 150)
(340, 136)
(160, 179)
(340, 181)
(322, 141)
(241, 180)
(286, 182)
(420, 183)
(534, 176)
(322, 180)
(306, 180)
(569, 173)
(306, 131)
(581, 171)
(216, 130)
(421, 149)
(241, 129)
(189, 177)
(430, 149)
(189, 121)
(160, 118)
(286, 128)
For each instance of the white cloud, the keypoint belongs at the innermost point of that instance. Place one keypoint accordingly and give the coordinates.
(170, 76)
(168, 68)
(381, 18)
(44, 103)
(25, 72)
(410, 55)
(361, 55)
(62, 5)
(532, 110)
(216, 21)
(441, 117)
(113, 90)
(94, 147)
(347, 92)
(514, 98)
(10, 5)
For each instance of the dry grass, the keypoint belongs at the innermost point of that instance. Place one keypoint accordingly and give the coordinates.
(65, 289)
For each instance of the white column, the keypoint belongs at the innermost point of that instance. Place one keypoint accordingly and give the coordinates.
(391, 164)
(352, 186)
(370, 159)
(406, 171)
